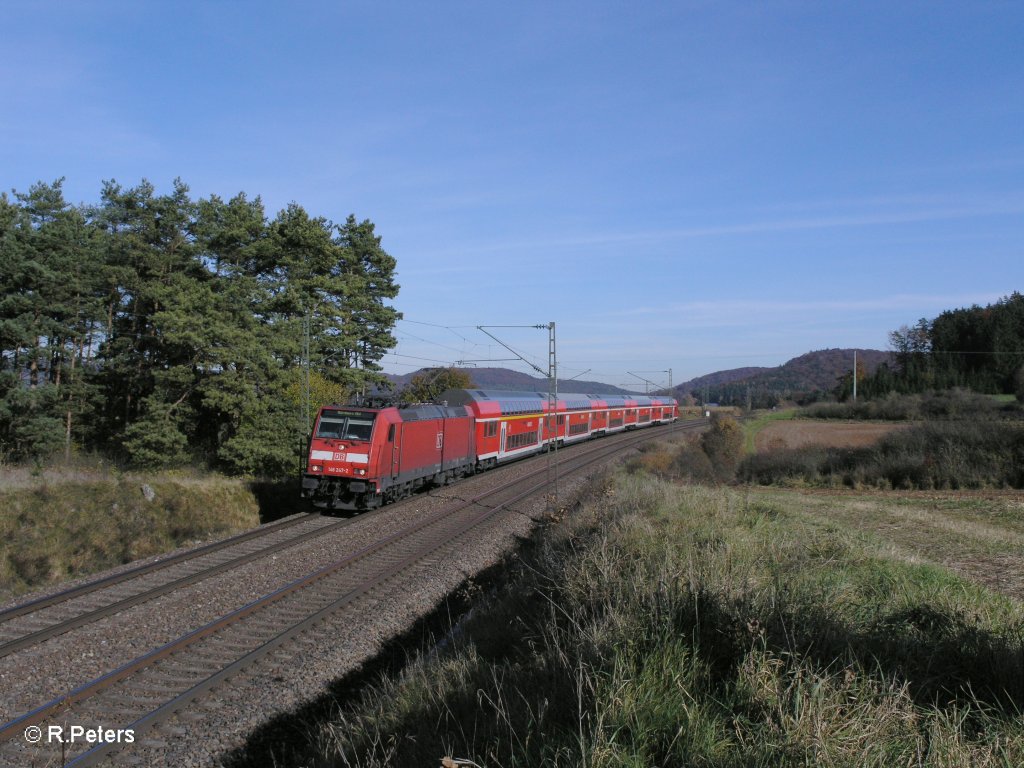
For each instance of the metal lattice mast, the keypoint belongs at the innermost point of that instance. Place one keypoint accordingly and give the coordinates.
(553, 415)
(306, 333)
(552, 394)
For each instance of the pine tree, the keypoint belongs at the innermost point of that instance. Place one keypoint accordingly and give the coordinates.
(372, 275)
(167, 330)
(154, 280)
(249, 419)
(49, 309)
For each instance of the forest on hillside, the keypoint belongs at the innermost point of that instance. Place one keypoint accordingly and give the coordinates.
(977, 348)
(161, 330)
(805, 379)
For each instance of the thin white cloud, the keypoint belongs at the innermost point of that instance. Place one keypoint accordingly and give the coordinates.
(792, 224)
(749, 308)
(797, 224)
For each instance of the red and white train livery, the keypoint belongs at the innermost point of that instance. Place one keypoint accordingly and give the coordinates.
(360, 458)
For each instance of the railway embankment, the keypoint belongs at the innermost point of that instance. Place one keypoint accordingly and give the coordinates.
(234, 626)
(666, 623)
(57, 526)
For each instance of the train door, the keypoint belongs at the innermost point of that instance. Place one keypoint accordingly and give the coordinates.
(501, 443)
(441, 429)
(395, 438)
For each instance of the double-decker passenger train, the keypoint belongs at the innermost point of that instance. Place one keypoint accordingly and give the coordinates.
(360, 458)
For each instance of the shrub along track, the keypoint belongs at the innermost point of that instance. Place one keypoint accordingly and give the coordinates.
(154, 686)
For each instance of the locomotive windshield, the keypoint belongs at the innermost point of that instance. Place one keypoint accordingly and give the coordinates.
(345, 425)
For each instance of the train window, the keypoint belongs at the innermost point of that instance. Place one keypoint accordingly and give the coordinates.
(345, 425)
(359, 430)
(329, 428)
(561, 420)
(491, 429)
(391, 433)
(518, 441)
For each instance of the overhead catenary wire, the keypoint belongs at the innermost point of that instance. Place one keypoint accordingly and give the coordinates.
(416, 357)
(451, 328)
(428, 341)
(535, 362)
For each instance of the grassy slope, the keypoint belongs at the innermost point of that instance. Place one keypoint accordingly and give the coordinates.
(671, 625)
(57, 528)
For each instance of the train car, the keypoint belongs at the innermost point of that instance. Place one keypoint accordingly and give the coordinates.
(360, 458)
(510, 425)
(632, 411)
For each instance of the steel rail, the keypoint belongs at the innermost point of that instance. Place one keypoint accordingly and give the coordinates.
(168, 709)
(599, 452)
(95, 686)
(141, 570)
(88, 617)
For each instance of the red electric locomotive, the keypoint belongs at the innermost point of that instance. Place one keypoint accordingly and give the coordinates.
(360, 458)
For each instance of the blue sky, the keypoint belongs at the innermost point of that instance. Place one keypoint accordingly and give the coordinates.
(684, 185)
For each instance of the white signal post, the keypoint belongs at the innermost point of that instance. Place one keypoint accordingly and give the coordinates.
(855, 375)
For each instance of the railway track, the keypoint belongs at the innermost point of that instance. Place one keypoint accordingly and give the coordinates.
(151, 688)
(34, 622)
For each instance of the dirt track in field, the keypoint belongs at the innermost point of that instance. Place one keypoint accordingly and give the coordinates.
(798, 433)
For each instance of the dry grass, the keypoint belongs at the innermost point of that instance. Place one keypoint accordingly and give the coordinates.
(799, 433)
(661, 624)
(59, 526)
(87, 470)
(946, 454)
(979, 535)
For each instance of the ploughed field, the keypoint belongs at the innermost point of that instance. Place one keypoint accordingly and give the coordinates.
(798, 433)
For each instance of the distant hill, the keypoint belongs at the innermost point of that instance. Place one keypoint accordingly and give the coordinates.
(713, 380)
(503, 378)
(800, 378)
(821, 370)
(814, 372)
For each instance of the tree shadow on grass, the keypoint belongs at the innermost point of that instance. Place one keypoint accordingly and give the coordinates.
(945, 657)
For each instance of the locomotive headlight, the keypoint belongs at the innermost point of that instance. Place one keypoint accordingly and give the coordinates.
(361, 471)
(316, 468)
